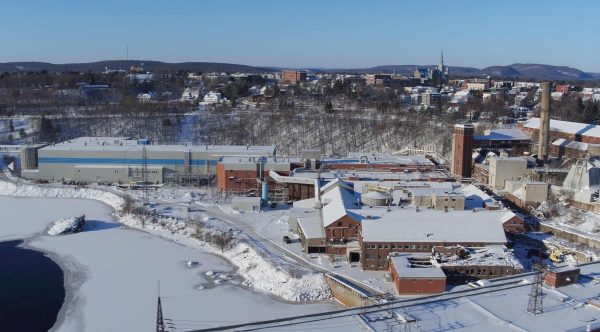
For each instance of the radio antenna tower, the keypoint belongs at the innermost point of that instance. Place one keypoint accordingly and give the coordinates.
(160, 324)
(535, 305)
(145, 173)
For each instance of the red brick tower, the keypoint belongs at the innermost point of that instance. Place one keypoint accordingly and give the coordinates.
(462, 150)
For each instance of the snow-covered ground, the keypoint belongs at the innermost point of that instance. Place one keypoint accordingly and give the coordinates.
(113, 271)
(565, 216)
(273, 225)
(63, 226)
(268, 275)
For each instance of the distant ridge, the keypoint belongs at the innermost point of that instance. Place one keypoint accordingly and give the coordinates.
(125, 64)
(515, 71)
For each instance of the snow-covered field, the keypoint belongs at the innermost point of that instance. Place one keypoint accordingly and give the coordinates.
(112, 272)
(93, 266)
(260, 273)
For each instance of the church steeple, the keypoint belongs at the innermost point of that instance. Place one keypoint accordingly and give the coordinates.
(442, 60)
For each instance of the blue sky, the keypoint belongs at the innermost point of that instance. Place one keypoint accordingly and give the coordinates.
(306, 33)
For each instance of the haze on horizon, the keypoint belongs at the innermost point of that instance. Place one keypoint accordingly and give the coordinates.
(308, 33)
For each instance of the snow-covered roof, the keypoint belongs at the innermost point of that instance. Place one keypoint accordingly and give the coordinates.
(311, 225)
(406, 269)
(408, 225)
(379, 158)
(121, 144)
(512, 134)
(566, 127)
(475, 198)
(571, 144)
(337, 201)
(376, 195)
(583, 176)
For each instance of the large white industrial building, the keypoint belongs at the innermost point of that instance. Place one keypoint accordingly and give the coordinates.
(121, 159)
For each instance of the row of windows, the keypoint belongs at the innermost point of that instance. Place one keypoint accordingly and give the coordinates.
(399, 246)
(117, 172)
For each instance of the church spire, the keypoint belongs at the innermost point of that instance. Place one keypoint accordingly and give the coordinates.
(442, 59)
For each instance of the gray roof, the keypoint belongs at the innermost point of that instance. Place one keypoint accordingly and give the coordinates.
(120, 144)
(408, 225)
(405, 269)
(513, 134)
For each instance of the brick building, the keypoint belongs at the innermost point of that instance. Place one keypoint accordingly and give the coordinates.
(571, 131)
(561, 276)
(379, 162)
(410, 230)
(415, 275)
(293, 76)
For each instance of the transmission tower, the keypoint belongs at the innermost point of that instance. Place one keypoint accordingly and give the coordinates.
(160, 324)
(535, 305)
(145, 173)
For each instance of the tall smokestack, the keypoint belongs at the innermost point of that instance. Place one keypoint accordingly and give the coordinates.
(544, 122)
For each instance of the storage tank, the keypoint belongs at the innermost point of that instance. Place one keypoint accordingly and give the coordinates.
(264, 197)
(376, 198)
(29, 158)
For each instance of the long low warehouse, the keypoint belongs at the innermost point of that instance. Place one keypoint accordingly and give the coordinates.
(120, 159)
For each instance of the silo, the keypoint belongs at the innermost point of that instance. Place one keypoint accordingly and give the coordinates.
(376, 198)
(264, 197)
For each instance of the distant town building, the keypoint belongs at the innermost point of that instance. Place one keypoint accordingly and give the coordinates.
(212, 98)
(190, 94)
(434, 76)
(378, 79)
(293, 76)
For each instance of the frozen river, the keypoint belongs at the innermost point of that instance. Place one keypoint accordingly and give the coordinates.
(111, 273)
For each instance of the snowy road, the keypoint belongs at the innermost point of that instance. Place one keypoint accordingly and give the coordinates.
(275, 251)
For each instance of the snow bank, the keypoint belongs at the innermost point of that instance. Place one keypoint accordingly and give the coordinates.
(30, 190)
(255, 269)
(63, 226)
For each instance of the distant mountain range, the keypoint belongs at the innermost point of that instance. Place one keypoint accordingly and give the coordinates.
(517, 70)
(126, 64)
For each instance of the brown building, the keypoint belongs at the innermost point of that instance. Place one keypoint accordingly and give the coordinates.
(379, 162)
(481, 173)
(415, 275)
(563, 88)
(562, 276)
(512, 141)
(293, 76)
(462, 151)
(378, 79)
(340, 226)
(242, 175)
(410, 231)
(571, 131)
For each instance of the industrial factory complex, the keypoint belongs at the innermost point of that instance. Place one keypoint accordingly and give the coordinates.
(426, 225)
(120, 159)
